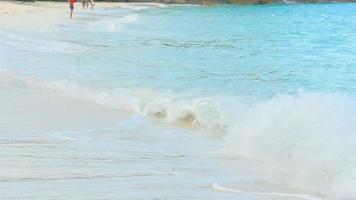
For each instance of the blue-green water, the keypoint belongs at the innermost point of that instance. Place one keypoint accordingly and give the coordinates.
(239, 50)
(278, 82)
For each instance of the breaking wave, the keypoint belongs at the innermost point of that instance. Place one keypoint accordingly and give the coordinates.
(170, 107)
(309, 137)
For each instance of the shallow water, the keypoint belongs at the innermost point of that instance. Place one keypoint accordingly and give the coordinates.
(221, 102)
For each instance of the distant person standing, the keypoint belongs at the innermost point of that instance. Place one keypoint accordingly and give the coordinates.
(92, 4)
(87, 2)
(71, 6)
(83, 4)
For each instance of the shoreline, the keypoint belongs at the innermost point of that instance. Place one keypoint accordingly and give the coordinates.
(114, 3)
(12, 13)
(45, 110)
(41, 14)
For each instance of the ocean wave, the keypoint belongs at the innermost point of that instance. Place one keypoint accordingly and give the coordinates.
(170, 107)
(308, 137)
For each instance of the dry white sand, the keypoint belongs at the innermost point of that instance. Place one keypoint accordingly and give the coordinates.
(41, 14)
(35, 14)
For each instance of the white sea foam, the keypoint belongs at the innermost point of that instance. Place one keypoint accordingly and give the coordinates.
(116, 24)
(265, 194)
(309, 138)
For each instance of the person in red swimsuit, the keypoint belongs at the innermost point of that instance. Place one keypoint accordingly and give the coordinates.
(71, 6)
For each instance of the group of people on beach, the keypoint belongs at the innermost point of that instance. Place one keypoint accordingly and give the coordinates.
(85, 4)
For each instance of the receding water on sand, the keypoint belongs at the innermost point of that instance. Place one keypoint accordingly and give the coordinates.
(181, 102)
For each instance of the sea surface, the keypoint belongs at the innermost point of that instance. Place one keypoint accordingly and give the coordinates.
(217, 102)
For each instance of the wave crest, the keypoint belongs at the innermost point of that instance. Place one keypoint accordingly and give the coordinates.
(168, 106)
(308, 137)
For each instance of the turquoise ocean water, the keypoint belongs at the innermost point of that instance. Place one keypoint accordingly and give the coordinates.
(275, 84)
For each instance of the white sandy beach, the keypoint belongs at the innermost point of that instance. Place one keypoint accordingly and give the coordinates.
(35, 14)
(41, 14)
